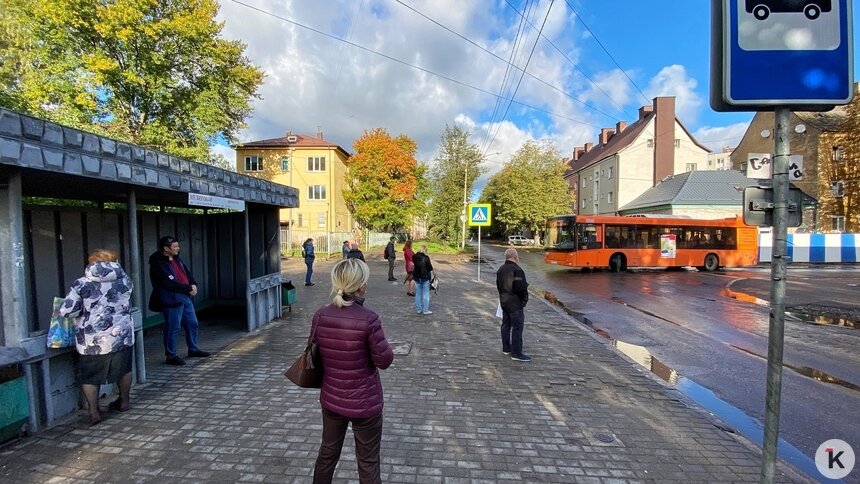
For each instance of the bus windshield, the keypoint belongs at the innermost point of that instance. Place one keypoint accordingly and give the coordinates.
(559, 234)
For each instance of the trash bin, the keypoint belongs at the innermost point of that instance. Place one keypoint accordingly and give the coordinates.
(288, 294)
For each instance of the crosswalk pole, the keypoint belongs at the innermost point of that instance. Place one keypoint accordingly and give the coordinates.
(479, 254)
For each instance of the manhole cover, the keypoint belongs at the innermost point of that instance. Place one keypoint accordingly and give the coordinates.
(605, 438)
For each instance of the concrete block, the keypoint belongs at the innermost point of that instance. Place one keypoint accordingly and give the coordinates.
(53, 158)
(123, 171)
(151, 158)
(91, 143)
(163, 180)
(184, 166)
(163, 160)
(195, 186)
(32, 156)
(32, 127)
(10, 123)
(123, 151)
(10, 151)
(108, 171)
(72, 137)
(72, 163)
(174, 180)
(138, 174)
(174, 163)
(184, 184)
(138, 154)
(52, 134)
(108, 146)
(195, 169)
(91, 165)
(151, 176)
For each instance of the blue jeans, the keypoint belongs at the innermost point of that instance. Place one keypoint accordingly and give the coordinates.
(310, 271)
(512, 332)
(183, 316)
(422, 295)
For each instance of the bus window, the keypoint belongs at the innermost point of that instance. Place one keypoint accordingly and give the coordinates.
(588, 237)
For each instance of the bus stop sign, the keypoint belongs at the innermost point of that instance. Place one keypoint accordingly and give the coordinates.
(781, 53)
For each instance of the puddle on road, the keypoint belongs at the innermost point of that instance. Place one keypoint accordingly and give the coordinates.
(728, 413)
(824, 320)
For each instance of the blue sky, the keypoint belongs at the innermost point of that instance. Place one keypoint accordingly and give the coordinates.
(346, 66)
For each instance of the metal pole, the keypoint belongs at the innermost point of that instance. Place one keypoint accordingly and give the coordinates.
(136, 278)
(777, 294)
(291, 166)
(479, 254)
(465, 176)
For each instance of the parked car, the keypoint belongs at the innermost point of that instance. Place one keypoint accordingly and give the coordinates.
(519, 240)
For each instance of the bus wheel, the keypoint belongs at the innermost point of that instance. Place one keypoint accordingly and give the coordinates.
(617, 263)
(712, 262)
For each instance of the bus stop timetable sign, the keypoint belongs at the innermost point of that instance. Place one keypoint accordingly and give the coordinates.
(773, 53)
(479, 214)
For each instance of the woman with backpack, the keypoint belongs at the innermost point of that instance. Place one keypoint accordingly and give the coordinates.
(309, 256)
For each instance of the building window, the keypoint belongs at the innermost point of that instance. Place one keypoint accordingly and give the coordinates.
(691, 167)
(299, 223)
(677, 143)
(838, 153)
(650, 143)
(253, 163)
(582, 203)
(285, 163)
(838, 223)
(321, 219)
(837, 188)
(609, 198)
(609, 172)
(316, 192)
(316, 163)
(744, 168)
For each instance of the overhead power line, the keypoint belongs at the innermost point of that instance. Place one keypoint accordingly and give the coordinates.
(422, 69)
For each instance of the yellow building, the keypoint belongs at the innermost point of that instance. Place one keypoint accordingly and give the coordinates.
(314, 166)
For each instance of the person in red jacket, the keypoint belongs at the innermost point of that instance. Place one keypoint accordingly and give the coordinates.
(353, 349)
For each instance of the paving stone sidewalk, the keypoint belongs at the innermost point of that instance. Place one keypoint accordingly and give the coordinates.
(457, 409)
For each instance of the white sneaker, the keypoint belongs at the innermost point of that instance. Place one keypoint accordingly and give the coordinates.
(428, 312)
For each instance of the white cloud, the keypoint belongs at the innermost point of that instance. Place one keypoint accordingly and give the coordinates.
(674, 81)
(715, 138)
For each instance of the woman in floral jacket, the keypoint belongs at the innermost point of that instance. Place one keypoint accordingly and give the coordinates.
(104, 331)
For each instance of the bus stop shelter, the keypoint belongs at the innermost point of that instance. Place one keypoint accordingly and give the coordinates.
(65, 192)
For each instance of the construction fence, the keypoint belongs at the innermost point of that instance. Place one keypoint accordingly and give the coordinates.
(330, 243)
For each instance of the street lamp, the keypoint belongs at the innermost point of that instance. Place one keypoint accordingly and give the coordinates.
(465, 200)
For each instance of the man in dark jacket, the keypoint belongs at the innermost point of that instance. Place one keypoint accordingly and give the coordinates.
(390, 255)
(513, 297)
(173, 290)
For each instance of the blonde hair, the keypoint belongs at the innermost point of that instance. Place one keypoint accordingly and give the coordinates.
(423, 249)
(102, 255)
(347, 277)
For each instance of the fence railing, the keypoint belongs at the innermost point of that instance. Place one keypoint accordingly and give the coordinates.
(328, 242)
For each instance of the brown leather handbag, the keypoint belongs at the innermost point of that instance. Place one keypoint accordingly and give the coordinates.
(307, 370)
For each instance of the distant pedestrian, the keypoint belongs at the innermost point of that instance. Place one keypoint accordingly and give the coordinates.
(422, 273)
(355, 252)
(104, 330)
(513, 297)
(353, 349)
(173, 291)
(345, 248)
(309, 256)
(408, 253)
(390, 255)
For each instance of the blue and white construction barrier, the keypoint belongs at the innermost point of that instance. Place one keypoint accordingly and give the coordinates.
(814, 248)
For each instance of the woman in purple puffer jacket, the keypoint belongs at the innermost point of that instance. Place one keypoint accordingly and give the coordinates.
(353, 349)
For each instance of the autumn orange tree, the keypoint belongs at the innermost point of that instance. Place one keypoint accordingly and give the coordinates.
(384, 181)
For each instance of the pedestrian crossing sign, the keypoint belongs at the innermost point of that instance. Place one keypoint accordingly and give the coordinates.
(479, 214)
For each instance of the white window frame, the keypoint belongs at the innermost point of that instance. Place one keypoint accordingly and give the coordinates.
(838, 223)
(609, 198)
(316, 163)
(254, 163)
(321, 219)
(838, 153)
(285, 160)
(609, 172)
(692, 166)
(837, 188)
(300, 221)
(650, 143)
(316, 192)
(677, 142)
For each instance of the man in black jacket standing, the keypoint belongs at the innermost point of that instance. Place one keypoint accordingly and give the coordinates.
(173, 290)
(513, 297)
(390, 255)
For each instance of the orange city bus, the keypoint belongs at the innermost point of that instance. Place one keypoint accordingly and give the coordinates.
(617, 243)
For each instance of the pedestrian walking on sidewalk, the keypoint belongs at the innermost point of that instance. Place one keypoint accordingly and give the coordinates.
(408, 253)
(513, 297)
(390, 255)
(345, 248)
(309, 256)
(422, 273)
(353, 349)
(173, 291)
(355, 253)
(104, 330)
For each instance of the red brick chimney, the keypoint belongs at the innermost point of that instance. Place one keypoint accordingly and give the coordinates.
(577, 152)
(664, 137)
(606, 135)
(587, 147)
(620, 126)
(643, 111)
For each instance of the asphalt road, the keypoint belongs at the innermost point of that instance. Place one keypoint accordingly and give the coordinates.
(687, 325)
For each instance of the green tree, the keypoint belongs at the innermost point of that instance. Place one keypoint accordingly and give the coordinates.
(384, 181)
(151, 72)
(458, 162)
(529, 189)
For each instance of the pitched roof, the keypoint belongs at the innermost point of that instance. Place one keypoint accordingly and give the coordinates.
(617, 143)
(705, 187)
(291, 140)
(827, 121)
